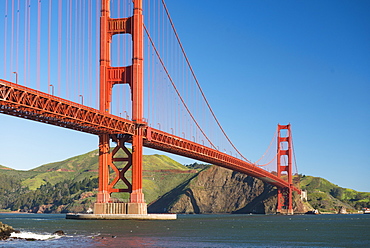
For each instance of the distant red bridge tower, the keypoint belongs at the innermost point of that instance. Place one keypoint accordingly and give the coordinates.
(284, 164)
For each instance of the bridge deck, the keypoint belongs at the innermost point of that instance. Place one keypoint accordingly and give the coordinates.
(24, 102)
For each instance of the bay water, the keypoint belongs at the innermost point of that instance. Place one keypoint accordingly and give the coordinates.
(193, 231)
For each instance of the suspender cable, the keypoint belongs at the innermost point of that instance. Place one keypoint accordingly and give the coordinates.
(49, 42)
(68, 47)
(83, 50)
(268, 148)
(28, 39)
(59, 43)
(89, 52)
(38, 51)
(5, 35)
(178, 93)
(17, 39)
(25, 43)
(12, 38)
(77, 48)
(197, 83)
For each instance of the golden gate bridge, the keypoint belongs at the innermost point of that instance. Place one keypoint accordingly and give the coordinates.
(117, 69)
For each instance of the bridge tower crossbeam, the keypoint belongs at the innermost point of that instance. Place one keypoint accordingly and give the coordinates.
(133, 76)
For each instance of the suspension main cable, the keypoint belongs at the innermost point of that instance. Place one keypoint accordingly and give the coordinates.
(196, 80)
(268, 148)
(295, 161)
(262, 165)
(173, 84)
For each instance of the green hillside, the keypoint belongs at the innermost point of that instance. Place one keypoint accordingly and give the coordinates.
(19, 174)
(328, 197)
(4, 168)
(73, 183)
(162, 162)
(87, 161)
(85, 166)
(76, 169)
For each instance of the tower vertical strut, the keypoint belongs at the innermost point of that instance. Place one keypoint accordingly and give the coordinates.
(133, 76)
(284, 164)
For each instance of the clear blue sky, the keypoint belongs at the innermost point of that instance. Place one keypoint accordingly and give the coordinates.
(260, 63)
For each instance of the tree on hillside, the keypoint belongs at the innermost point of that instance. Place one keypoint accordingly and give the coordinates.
(337, 193)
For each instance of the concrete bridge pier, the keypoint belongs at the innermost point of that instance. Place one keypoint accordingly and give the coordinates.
(121, 211)
(120, 208)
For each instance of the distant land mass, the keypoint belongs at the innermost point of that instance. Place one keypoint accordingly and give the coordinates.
(169, 187)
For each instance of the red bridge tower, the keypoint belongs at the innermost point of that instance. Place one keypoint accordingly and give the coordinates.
(284, 164)
(133, 76)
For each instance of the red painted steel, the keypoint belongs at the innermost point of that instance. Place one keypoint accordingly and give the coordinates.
(120, 140)
(26, 103)
(104, 162)
(137, 195)
(105, 99)
(132, 75)
(284, 164)
(23, 102)
(163, 141)
(13, 102)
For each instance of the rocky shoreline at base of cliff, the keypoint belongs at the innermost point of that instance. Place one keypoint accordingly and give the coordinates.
(5, 231)
(9, 233)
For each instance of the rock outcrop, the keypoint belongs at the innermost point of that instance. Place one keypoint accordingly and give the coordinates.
(41, 209)
(59, 233)
(5, 231)
(219, 190)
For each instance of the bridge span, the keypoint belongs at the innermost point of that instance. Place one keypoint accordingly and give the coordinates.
(28, 103)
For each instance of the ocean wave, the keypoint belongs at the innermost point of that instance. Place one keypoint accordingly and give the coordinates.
(36, 236)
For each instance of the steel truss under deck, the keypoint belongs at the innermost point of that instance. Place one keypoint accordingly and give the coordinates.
(23, 102)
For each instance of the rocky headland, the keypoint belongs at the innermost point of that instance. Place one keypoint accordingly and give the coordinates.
(219, 190)
(5, 231)
(71, 186)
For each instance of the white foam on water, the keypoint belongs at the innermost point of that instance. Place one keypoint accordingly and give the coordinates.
(30, 235)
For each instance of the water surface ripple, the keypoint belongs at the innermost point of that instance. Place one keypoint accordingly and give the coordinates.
(195, 231)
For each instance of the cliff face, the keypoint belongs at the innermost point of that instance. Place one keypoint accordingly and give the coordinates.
(218, 190)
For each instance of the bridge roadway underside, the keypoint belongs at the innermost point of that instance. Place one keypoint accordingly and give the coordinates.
(23, 102)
